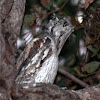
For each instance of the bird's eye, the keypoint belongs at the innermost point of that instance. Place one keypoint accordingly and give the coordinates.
(65, 24)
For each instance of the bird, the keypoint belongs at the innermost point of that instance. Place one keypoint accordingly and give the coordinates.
(38, 63)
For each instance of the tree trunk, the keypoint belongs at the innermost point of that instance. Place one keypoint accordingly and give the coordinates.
(11, 16)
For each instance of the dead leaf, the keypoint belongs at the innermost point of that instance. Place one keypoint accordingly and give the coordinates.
(46, 3)
(87, 3)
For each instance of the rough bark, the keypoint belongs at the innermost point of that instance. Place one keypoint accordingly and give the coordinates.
(52, 92)
(11, 16)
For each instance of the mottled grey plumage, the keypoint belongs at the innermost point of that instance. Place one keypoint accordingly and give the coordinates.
(39, 61)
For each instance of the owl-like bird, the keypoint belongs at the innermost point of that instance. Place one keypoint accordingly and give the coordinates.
(38, 63)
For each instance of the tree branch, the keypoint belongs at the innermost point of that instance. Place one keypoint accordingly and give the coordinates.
(52, 92)
(73, 78)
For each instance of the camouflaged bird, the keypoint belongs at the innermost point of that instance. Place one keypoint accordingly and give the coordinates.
(38, 63)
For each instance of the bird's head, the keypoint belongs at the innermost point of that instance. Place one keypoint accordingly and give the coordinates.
(60, 28)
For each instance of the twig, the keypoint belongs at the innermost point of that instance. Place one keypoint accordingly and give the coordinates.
(73, 78)
(58, 9)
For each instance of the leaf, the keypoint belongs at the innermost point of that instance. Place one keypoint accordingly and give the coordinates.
(47, 3)
(78, 71)
(87, 3)
(96, 52)
(90, 47)
(91, 67)
(28, 19)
